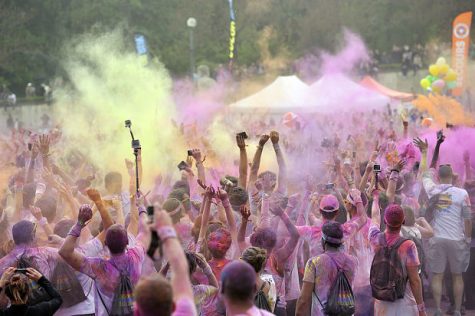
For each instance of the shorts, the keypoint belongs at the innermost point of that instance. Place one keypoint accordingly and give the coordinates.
(441, 251)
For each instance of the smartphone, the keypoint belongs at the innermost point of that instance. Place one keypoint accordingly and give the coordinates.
(20, 270)
(182, 166)
(377, 168)
(439, 134)
(243, 135)
(329, 186)
(30, 146)
(150, 212)
(128, 123)
(190, 152)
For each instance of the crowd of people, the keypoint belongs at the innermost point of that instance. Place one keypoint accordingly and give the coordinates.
(372, 230)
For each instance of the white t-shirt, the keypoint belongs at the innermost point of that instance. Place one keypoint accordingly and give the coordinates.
(452, 208)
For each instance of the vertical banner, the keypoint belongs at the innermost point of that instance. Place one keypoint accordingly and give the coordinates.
(232, 34)
(460, 49)
(141, 48)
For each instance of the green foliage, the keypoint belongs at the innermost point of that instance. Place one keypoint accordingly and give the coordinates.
(34, 32)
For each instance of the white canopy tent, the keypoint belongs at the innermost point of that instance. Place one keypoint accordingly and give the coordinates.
(337, 92)
(284, 94)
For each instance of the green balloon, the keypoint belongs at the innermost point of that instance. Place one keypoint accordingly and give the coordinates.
(431, 78)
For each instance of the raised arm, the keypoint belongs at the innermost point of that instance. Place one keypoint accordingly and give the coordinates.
(375, 210)
(245, 214)
(369, 169)
(43, 145)
(241, 143)
(206, 206)
(256, 162)
(223, 196)
(205, 267)
(282, 185)
(196, 153)
(50, 306)
(435, 157)
(393, 179)
(105, 215)
(423, 146)
(284, 252)
(468, 168)
(172, 250)
(74, 258)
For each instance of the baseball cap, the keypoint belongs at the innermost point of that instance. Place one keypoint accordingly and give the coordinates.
(329, 203)
(394, 215)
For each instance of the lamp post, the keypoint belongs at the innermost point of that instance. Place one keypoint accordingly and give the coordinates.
(191, 23)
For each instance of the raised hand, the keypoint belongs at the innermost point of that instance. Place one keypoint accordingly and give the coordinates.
(222, 195)
(196, 153)
(33, 274)
(240, 141)
(274, 137)
(422, 145)
(43, 144)
(245, 212)
(94, 195)
(400, 165)
(36, 211)
(84, 214)
(440, 137)
(263, 140)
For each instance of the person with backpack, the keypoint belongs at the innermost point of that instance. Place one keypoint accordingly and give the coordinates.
(394, 275)
(238, 289)
(116, 276)
(328, 277)
(16, 286)
(266, 296)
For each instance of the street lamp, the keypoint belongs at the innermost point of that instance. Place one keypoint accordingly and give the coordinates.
(191, 23)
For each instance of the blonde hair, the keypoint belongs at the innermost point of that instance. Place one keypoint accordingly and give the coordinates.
(18, 289)
(256, 257)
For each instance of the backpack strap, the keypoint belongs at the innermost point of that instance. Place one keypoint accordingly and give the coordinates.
(100, 297)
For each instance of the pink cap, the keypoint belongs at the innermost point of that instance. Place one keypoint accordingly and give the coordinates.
(394, 215)
(329, 203)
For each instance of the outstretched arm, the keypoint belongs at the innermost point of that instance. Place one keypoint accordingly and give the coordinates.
(241, 142)
(435, 157)
(245, 213)
(393, 178)
(468, 169)
(173, 251)
(375, 210)
(284, 253)
(256, 162)
(67, 252)
(274, 136)
(422, 145)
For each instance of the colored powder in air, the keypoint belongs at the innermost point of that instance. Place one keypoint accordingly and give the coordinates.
(443, 109)
(109, 85)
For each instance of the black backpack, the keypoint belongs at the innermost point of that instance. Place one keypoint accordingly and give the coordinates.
(388, 276)
(37, 294)
(67, 284)
(260, 299)
(340, 300)
(420, 250)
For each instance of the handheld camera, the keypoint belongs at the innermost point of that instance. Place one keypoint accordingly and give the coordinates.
(243, 135)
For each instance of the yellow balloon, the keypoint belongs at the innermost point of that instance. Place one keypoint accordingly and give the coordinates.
(425, 83)
(443, 69)
(434, 70)
(441, 61)
(451, 75)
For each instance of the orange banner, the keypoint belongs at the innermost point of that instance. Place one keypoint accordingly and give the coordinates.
(460, 47)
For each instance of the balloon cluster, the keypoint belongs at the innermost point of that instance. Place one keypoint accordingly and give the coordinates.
(440, 76)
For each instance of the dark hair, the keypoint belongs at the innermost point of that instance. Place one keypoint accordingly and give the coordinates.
(238, 281)
(17, 289)
(116, 239)
(170, 205)
(329, 215)
(334, 230)
(63, 227)
(256, 257)
(445, 171)
(237, 197)
(111, 177)
(23, 232)
(47, 204)
(191, 259)
(182, 185)
(154, 296)
(265, 238)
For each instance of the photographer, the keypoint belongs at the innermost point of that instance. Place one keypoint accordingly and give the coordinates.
(16, 286)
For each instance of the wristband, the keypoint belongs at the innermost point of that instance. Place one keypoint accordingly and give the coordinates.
(260, 147)
(276, 146)
(166, 232)
(395, 170)
(76, 230)
(394, 175)
(142, 210)
(43, 221)
(421, 307)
